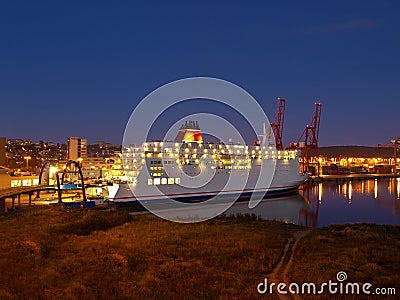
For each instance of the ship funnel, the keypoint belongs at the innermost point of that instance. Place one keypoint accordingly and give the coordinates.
(189, 132)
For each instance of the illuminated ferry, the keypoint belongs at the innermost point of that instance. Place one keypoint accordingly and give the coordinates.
(191, 170)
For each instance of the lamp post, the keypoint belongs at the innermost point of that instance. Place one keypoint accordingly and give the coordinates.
(27, 162)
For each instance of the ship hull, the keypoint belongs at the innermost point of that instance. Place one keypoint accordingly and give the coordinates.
(126, 198)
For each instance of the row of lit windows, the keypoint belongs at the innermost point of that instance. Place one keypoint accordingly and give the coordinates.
(197, 144)
(158, 181)
(273, 157)
(159, 162)
(216, 156)
(156, 168)
(224, 167)
(169, 145)
(24, 182)
(238, 167)
(155, 147)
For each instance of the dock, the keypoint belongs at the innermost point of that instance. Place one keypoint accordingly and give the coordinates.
(16, 192)
(349, 177)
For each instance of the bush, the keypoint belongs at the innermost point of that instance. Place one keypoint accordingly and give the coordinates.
(94, 221)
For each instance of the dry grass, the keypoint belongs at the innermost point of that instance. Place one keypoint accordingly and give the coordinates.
(366, 252)
(52, 253)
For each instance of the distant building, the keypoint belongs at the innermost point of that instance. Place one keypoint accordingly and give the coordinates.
(339, 160)
(101, 143)
(76, 148)
(109, 168)
(3, 161)
(17, 180)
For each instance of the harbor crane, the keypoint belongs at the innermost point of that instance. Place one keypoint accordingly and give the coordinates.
(395, 144)
(277, 125)
(309, 138)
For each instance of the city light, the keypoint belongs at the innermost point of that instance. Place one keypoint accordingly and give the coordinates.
(53, 170)
(27, 161)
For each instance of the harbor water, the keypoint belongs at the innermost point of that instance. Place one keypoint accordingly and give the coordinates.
(321, 204)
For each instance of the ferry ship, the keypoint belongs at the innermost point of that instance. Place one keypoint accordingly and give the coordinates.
(189, 169)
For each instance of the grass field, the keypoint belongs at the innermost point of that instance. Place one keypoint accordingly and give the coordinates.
(54, 253)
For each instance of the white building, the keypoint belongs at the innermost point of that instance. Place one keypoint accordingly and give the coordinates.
(77, 148)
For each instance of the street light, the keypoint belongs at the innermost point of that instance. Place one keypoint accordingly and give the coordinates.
(27, 162)
(53, 170)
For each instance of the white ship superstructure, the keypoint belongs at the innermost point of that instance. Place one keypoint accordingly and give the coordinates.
(189, 169)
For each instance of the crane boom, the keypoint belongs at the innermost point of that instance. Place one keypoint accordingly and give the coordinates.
(309, 138)
(312, 133)
(277, 126)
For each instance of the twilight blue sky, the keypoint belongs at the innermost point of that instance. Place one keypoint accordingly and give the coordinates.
(78, 68)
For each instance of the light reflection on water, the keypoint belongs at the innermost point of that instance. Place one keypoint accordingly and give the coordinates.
(322, 204)
(284, 209)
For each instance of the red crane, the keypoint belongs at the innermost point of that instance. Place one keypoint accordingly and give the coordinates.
(312, 131)
(277, 126)
(395, 143)
(310, 138)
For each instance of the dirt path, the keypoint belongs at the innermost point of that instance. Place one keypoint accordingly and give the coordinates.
(279, 274)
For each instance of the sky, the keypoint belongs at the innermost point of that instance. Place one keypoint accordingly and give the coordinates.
(79, 68)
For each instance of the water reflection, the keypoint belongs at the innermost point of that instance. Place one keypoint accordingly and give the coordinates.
(322, 204)
(285, 209)
(372, 201)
